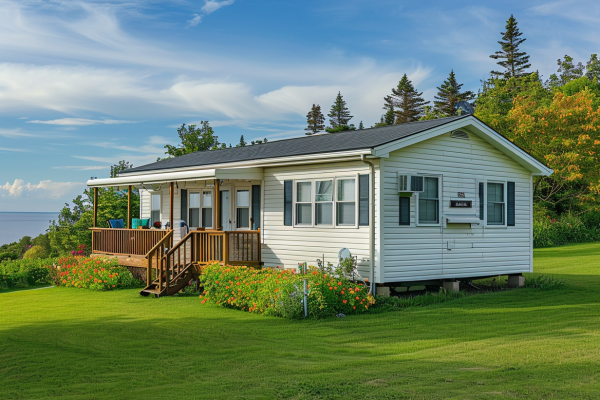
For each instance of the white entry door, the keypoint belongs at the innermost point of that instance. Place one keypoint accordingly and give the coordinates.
(226, 210)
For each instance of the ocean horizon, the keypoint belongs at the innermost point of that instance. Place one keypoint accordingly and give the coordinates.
(15, 225)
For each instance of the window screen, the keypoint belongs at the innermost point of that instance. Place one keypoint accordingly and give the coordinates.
(303, 203)
(429, 202)
(346, 202)
(155, 208)
(324, 202)
(194, 209)
(207, 215)
(495, 204)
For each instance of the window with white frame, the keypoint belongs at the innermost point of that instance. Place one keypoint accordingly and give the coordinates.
(207, 212)
(324, 202)
(346, 201)
(304, 203)
(194, 209)
(429, 202)
(155, 207)
(496, 206)
(243, 208)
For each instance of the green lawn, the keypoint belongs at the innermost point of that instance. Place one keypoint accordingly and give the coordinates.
(527, 343)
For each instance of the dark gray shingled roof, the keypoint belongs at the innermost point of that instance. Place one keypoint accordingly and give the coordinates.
(321, 143)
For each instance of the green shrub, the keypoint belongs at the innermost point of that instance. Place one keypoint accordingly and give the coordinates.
(24, 273)
(6, 256)
(35, 253)
(95, 274)
(279, 292)
(565, 229)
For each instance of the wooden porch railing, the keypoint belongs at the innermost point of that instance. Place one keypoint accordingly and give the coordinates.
(125, 241)
(202, 248)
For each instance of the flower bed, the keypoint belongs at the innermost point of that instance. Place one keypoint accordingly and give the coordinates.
(95, 274)
(279, 292)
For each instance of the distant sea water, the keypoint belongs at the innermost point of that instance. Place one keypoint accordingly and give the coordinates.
(15, 225)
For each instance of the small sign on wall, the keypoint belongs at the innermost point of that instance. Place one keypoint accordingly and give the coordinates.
(461, 203)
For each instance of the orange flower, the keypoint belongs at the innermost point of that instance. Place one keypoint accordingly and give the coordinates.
(356, 297)
(345, 301)
(339, 283)
(114, 286)
(354, 308)
(330, 288)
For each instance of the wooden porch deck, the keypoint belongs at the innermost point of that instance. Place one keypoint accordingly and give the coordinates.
(163, 261)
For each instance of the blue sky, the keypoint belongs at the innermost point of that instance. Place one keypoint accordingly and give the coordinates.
(84, 84)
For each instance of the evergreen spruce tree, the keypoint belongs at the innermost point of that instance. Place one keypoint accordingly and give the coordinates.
(361, 126)
(315, 120)
(339, 116)
(567, 71)
(242, 142)
(406, 101)
(592, 68)
(449, 95)
(390, 116)
(514, 62)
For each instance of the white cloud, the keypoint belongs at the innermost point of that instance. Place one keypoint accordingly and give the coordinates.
(15, 133)
(46, 188)
(211, 6)
(12, 149)
(195, 21)
(81, 122)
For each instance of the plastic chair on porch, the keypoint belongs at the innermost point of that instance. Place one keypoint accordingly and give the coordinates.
(116, 224)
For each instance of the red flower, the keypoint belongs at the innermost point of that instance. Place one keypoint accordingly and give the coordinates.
(345, 301)
(330, 288)
(339, 283)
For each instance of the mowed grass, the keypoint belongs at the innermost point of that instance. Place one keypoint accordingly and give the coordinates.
(526, 343)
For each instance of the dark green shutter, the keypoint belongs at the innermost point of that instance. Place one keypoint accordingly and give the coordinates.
(481, 199)
(184, 206)
(287, 202)
(510, 204)
(363, 200)
(404, 211)
(255, 207)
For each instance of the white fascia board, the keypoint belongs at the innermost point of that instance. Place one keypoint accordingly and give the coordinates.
(485, 132)
(267, 162)
(139, 180)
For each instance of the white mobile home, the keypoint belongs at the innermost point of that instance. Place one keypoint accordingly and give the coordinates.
(438, 200)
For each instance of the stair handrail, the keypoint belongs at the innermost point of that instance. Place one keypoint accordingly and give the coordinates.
(168, 236)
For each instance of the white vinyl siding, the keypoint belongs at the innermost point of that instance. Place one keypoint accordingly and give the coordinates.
(420, 252)
(286, 246)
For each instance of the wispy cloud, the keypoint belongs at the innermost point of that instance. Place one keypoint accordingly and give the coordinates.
(15, 133)
(195, 21)
(81, 122)
(211, 6)
(45, 188)
(15, 150)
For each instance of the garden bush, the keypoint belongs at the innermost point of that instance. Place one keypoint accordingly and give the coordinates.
(24, 273)
(35, 253)
(279, 292)
(95, 274)
(565, 229)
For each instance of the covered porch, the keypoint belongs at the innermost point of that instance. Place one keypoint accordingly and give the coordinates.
(196, 218)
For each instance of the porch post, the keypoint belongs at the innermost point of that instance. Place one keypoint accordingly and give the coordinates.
(217, 205)
(129, 207)
(95, 207)
(172, 196)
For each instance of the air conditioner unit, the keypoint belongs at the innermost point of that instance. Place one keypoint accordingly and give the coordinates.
(410, 183)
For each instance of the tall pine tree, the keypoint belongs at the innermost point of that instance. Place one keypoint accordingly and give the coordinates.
(242, 142)
(315, 120)
(449, 95)
(406, 102)
(514, 62)
(339, 116)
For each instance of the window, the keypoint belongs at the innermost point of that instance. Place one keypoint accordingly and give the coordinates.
(495, 204)
(303, 203)
(155, 207)
(243, 208)
(195, 209)
(346, 202)
(429, 202)
(324, 202)
(207, 209)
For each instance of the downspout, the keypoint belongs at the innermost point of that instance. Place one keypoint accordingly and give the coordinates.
(371, 223)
